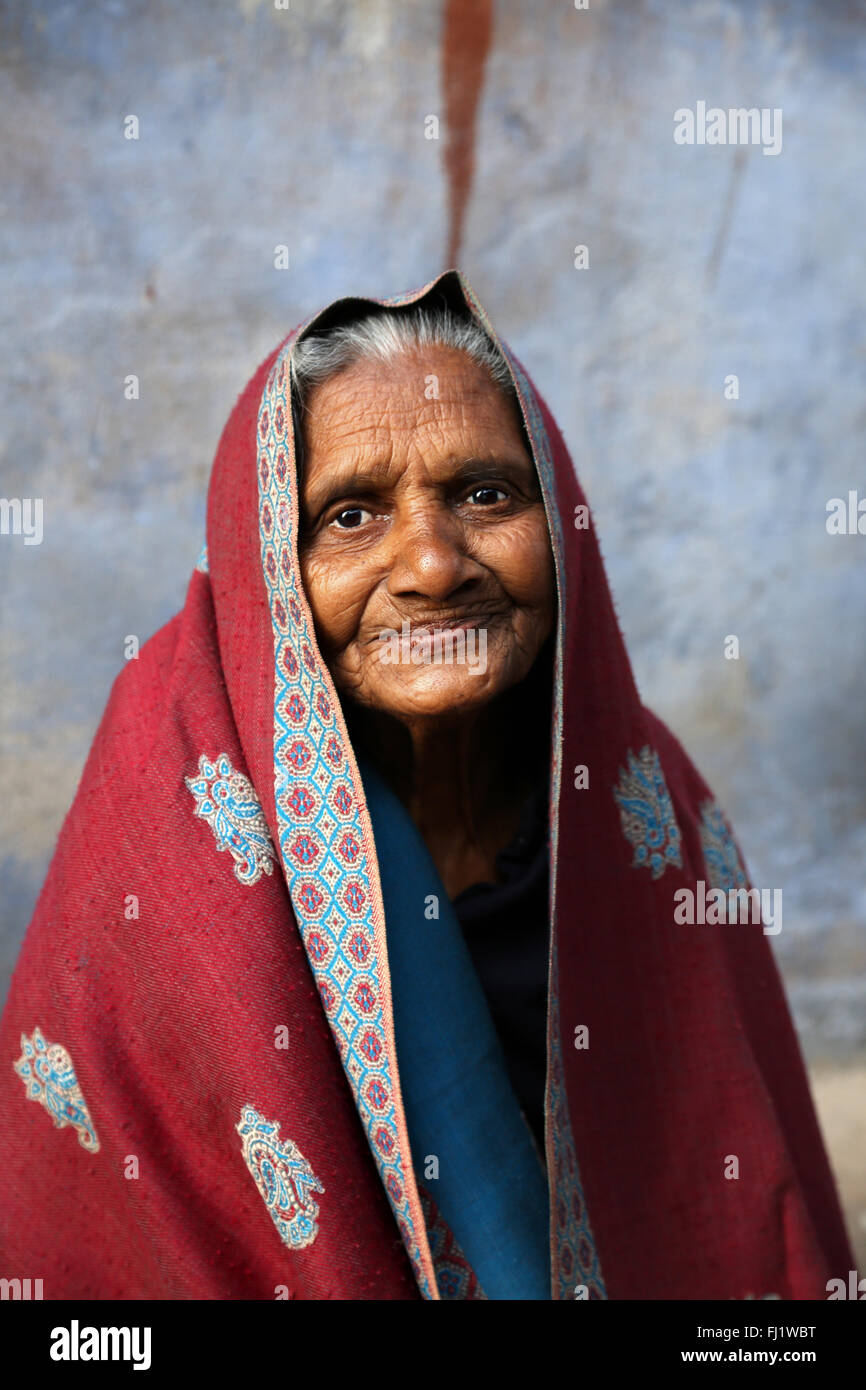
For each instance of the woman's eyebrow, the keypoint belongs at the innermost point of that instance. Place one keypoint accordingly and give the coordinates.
(345, 483)
(470, 469)
(348, 482)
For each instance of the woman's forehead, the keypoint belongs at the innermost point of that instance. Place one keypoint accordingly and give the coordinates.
(436, 403)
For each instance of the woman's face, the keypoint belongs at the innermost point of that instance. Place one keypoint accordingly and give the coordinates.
(424, 545)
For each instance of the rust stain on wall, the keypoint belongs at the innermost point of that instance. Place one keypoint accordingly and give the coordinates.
(466, 32)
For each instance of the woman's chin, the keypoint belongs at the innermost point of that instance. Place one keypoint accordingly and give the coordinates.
(426, 692)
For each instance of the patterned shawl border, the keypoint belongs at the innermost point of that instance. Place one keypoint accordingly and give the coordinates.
(295, 647)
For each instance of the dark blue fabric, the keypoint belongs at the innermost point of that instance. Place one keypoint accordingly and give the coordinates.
(461, 1109)
(505, 926)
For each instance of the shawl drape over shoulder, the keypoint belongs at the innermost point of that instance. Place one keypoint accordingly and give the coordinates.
(200, 1088)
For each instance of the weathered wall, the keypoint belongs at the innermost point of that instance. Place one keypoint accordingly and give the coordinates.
(307, 127)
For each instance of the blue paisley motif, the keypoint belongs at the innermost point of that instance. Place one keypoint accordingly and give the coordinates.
(284, 1178)
(49, 1077)
(724, 868)
(227, 801)
(647, 813)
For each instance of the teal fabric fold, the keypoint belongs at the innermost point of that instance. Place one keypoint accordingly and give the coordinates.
(460, 1107)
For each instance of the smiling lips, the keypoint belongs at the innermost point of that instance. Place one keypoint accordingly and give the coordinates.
(436, 629)
(439, 629)
(437, 624)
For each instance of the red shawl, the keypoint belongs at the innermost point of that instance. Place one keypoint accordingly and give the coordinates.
(200, 1093)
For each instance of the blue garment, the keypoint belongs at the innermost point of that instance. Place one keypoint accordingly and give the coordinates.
(506, 929)
(459, 1103)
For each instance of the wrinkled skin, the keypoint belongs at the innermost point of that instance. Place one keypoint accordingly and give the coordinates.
(426, 509)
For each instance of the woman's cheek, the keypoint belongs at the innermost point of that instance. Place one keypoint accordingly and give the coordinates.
(336, 598)
(522, 560)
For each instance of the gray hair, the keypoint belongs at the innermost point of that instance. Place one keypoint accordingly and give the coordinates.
(388, 334)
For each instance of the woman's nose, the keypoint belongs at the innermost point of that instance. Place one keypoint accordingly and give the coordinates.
(429, 555)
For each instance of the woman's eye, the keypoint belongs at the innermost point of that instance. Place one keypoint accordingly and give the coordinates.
(349, 518)
(486, 496)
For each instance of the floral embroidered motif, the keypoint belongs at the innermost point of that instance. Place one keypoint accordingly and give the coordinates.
(227, 801)
(201, 563)
(724, 867)
(49, 1078)
(647, 813)
(284, 1178)
(455, 1277)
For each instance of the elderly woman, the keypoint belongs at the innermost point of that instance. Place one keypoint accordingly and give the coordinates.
(360, 970)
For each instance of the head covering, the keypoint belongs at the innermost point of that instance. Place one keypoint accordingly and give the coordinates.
(205, 1000)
